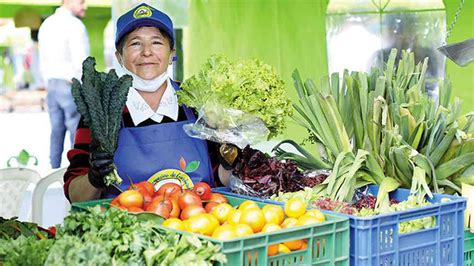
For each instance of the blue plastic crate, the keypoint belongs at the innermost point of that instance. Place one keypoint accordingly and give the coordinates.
(375, 240)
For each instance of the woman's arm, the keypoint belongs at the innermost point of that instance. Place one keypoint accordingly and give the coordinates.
(76, 183)
(80, 189)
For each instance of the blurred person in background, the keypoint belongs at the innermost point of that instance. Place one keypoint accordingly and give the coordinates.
(63, 46)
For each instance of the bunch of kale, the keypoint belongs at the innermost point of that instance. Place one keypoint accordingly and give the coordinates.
(100, 100)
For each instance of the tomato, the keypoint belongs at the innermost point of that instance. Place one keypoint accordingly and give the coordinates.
(175, 210)
(289, 222)
(234, 217)
(160, 208)
(115, 202)
(135, 209)
(225, 232)
(306, 219)
(273, 214)
(272, 249)
(201, 224)
(247, 205)
(131, 198)
(316, 214)
(211, 205)
(189, 198)
(222, 211)
(147, 186)
(217, 197)
(254, 218)
(243, 230)
(203, 190)
(190, 211)
(172, 190)
(174, 223)
(295, 207)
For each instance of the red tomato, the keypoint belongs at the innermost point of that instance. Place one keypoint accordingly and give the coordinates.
(115, 202)
(217, 197)
(203, 190)
(175, 210)
(131, 198)
(148, 187)
(210, 205)
(191, 211)
(160, 208)
(189, 198)
(135, 209)
(171, 190)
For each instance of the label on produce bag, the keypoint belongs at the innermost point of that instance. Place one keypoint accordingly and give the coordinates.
(171, 176)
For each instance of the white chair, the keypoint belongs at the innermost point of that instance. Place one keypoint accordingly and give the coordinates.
(14, 183)
(61, 205)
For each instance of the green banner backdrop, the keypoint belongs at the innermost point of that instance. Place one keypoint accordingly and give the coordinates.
(290, 34)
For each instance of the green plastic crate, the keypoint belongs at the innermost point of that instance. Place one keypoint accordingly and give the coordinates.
(328, 242)
(468, 248)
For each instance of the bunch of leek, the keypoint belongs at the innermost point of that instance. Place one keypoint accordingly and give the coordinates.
(383, 128)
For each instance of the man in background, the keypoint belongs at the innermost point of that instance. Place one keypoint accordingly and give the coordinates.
(63, 46)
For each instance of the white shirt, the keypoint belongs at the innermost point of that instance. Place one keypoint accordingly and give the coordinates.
(141, 111)
(63, 46)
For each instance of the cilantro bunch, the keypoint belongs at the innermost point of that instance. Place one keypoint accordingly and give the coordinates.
(100, 100)
(250, 86)
(116, 237)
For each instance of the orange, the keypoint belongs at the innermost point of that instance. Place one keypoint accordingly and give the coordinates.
(243, 230)
(174, 223)
(222, 211)
(273, 214)
(248, 204)
(225, 232)
(234, 216)
(289, 222)
(304, 246)
(272, 249)
(305, 220)
(293, 244)
(254, 218)
(283, 249)
(317, 214)
(295, 207)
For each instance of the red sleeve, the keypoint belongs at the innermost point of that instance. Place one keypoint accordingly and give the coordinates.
(78, 156)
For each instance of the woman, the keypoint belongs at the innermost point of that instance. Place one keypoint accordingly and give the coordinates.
(152, 144)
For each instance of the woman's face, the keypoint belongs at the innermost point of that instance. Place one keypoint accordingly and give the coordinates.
(146, 53)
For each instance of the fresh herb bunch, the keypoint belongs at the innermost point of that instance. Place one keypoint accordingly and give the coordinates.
(119, 238)
(100, 100)
(24, 250)
(250, 86)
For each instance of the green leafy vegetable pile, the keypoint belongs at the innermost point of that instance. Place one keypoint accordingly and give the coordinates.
(100, 100)
(111, 237)
(250, 86)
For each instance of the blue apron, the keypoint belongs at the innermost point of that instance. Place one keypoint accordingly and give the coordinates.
(161, 153)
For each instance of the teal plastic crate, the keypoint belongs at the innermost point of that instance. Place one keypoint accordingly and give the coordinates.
(328, 242)
(375, 240)
(468, 248)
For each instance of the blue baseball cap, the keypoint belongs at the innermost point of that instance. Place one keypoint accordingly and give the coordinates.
(140, 16)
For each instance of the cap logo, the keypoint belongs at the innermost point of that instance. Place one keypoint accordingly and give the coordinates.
(142, 12)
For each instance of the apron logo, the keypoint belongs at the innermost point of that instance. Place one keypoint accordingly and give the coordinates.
(188, 168)
(171, 176)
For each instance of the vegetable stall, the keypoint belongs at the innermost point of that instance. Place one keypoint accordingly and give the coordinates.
(377, 181)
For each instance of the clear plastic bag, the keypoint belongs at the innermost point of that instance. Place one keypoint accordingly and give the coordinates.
(225, 125)
(237, 186)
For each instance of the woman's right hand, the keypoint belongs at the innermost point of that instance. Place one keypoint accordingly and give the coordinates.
(101, 164)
